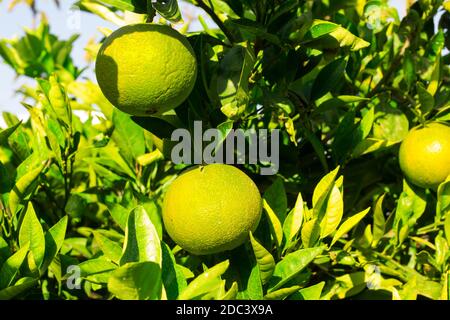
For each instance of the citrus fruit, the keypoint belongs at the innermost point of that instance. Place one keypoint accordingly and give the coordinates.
(425, 155)
(211, 208)
(146, 69)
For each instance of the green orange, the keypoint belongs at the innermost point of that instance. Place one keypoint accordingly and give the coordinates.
(425, 155)
(146, 69)
(211, 209)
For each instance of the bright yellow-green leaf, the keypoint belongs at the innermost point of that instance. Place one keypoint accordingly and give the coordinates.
(265, 260)
(333, 214)
(205, 283)
(31, 234)
(310, 233)
(348, 225)
(136, 281)
(294, 220)
(275, 224)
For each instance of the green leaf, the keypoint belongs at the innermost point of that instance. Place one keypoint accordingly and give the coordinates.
(125, 5)
(128, 136)
(348, 135)
(324, 187)
(333, 213)
(366, 123)
(317, 146)
(327, 35)
(425, 98)
(6, 181)
(141, 239)
(232, 293)
(390, 124)
(233, 81)
(411, 206)
(221, 6)
(119, 214)
(442, 250)
(433, 86)
(349, 285)
(275, 224)
(328, 78)
(281, 294)
(348, 225)
(205, 283)
(172, 276)
(54, 239)
(11, 266)
(153, 212)
(310, 233)
(245, 270)
(96, 270)
(294, 220)
(254, 289)
(109, 247)
(367, 146)
(54, 133)
(310, 293)
(292, 265)
(5, 251)
(264, 259)
(276, 198)
(168, 9)
(428, 288)
(77, 246)
(409, 290)
(409, 70)
(337, 102)
(105, 12)
(447, 228)
(59, 101)
(252, 30)
(32, 235)
(379, 221)
(327, 203)
(22, 188)
(5, 134)
(443, 199)
(22, 285)
(136, 281)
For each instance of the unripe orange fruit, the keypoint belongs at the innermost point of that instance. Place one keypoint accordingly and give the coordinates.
(211, 209)
(425, 155)
(146, 69)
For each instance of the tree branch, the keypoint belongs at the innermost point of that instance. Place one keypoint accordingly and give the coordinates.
(216, 19)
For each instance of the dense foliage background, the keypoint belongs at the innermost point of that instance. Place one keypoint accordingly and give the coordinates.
(343, 80)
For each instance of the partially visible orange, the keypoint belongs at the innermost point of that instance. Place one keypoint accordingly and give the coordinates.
(425, 155)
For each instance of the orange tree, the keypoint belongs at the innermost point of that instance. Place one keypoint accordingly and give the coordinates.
(344, 81)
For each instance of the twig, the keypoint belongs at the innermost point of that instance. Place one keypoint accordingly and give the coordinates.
(216, 19)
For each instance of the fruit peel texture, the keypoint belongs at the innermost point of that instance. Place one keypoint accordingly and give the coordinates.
(146, 69)
(211, 209)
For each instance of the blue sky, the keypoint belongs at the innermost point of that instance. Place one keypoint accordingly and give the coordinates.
(12, 23)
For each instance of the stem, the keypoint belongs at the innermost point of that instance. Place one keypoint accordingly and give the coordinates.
(216, 19)
(429, 228)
